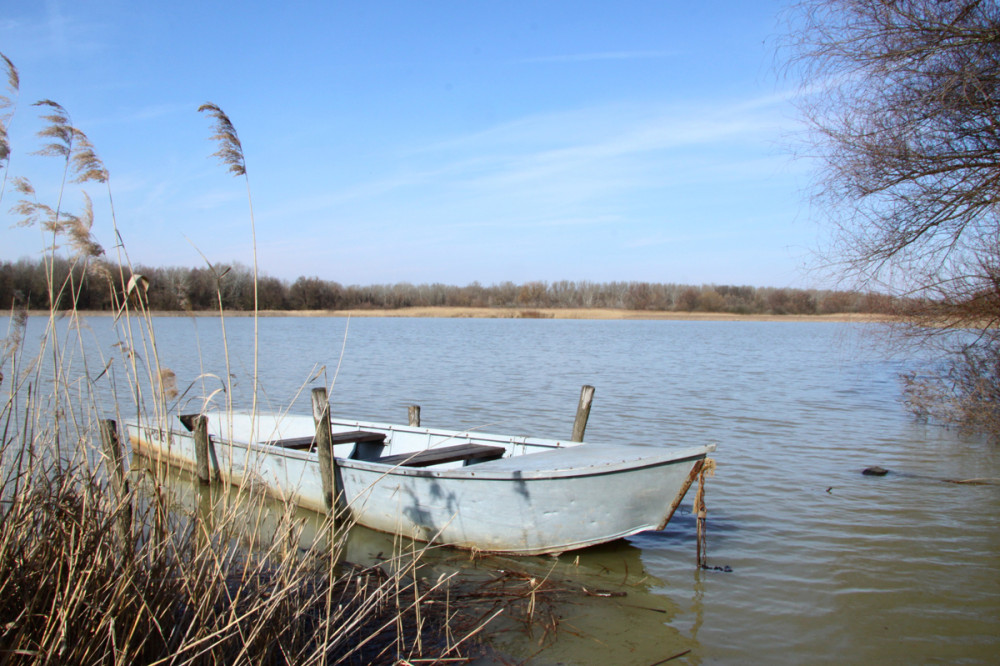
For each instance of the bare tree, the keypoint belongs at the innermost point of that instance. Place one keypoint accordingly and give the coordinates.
(903, 99)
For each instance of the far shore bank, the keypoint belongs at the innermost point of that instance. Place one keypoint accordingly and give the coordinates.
(527, 313)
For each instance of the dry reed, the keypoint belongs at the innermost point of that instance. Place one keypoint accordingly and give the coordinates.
(91, 575)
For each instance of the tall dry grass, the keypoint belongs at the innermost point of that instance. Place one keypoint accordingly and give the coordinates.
(90, 575)
(180, 591)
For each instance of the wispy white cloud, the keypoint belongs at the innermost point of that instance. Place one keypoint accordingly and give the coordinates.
(581, 165)
(156, 111)
(67, 34)
(215, 199)
(699, 237)
(602, 55)
(56, 23)
(144, 114)
(624, 127)
(603, 149)
(639, 180)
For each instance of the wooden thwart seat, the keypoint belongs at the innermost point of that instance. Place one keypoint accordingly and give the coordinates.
(470, 453)
(306, 443)
(368, 446)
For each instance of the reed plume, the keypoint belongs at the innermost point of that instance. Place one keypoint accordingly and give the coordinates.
(58, 131)
(70, 143)
(13, 79)
(63, 140)
(85, 162)
(8, 103)
(77, 229)
(230, 153)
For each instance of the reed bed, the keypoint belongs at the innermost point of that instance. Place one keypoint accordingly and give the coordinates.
(97, 573)
(182, 590)
(101, 569)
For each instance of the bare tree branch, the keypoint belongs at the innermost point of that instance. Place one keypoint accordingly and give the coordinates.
(907, 130)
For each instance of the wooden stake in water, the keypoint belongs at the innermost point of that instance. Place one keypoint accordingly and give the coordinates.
(582, 412)
(414, 411)
(203, 449)
(324, 447)
(111, 444)
(707, 467)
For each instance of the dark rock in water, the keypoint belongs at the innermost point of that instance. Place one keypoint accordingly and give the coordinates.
(875, 471)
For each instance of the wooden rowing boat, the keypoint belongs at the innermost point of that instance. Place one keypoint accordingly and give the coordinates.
(495, 493)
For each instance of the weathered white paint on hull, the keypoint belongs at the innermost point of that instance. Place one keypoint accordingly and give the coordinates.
(543, 497)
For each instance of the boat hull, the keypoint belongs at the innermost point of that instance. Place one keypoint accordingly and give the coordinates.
(557, 499)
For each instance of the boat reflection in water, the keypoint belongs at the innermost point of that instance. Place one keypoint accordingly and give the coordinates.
(595, 605)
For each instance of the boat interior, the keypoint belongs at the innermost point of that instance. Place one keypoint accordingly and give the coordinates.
(370, 446)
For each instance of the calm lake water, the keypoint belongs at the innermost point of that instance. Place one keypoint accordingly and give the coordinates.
(827, 565)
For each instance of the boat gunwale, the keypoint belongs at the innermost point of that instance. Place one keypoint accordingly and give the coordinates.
(660, 456)
(481, 471)
(543, 442)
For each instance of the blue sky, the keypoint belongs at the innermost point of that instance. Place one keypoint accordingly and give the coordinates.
(428, 141)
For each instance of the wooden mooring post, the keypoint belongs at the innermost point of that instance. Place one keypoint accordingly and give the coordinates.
(111, 444)
(701, 512)
(582, 412)
(414, 413)
(324, 447)
(203, 449)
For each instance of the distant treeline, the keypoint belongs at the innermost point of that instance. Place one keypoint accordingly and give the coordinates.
(24, 283)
